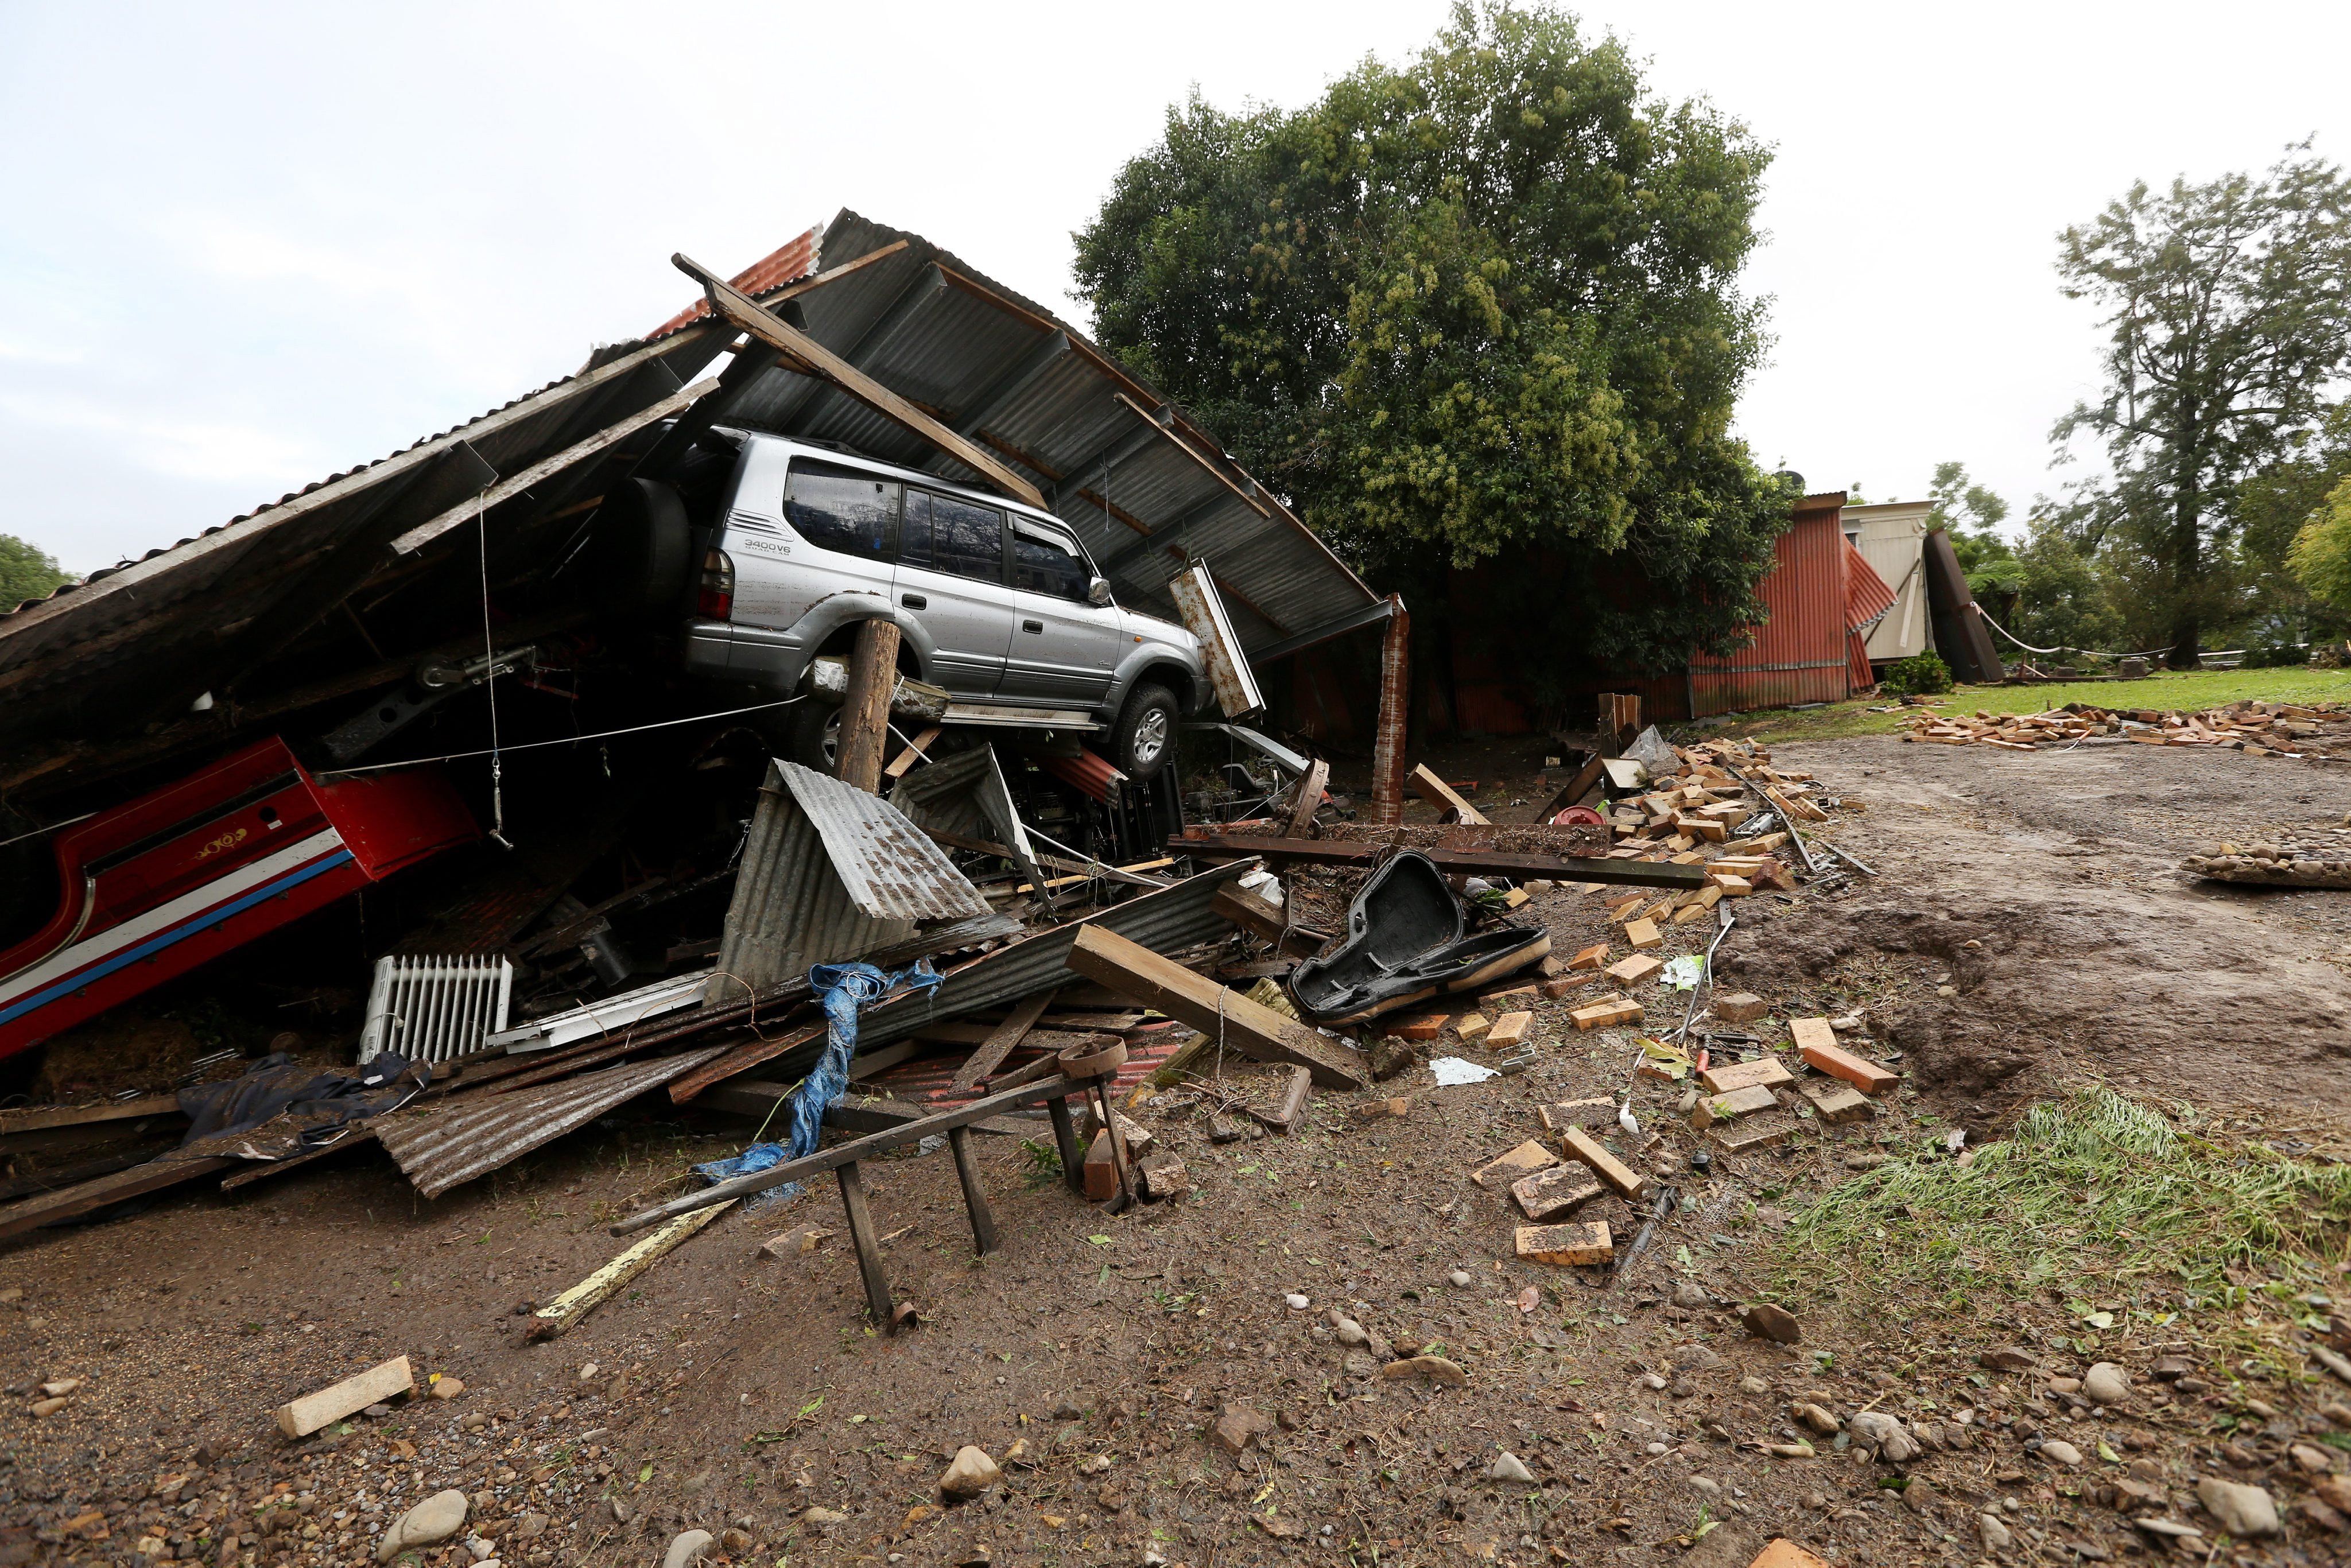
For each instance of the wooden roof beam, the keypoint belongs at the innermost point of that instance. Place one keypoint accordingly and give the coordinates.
(745, 315)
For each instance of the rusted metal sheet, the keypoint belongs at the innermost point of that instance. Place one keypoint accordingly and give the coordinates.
(1087, 770)
(473, 1134)
(1867, 599)
(1203, 610)
(828, 872)
(1798, 653)
(787, 263)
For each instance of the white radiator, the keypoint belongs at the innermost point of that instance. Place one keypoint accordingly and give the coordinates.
(436, 1009)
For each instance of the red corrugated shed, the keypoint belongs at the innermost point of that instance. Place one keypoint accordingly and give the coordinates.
(1798, 655)
(1866, 601)
(795, 259)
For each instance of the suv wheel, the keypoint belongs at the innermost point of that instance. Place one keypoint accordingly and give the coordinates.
(1144, 736)
(815, 738)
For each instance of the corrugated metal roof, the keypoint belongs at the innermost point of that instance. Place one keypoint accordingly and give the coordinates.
(1020, 380)
(141, 639)
(889, 866)
(1866, 596)
(793, 260)
(473, 1134)
(130, 647)
(967, 796)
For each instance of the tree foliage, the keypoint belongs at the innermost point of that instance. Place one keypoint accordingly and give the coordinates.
(2227, 317)
(2274, 509)
(1971, 514)
(1481, 304)
(2321, 553)
(26, 572)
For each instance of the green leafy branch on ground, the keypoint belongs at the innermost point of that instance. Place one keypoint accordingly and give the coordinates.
(2093, 1188)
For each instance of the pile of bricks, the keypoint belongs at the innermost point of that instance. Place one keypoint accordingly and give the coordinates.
(2256, 728)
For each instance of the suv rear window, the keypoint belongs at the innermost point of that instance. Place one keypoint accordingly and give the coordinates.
(840, 509)
(1043, 563)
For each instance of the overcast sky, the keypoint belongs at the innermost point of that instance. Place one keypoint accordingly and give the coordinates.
(243, 247)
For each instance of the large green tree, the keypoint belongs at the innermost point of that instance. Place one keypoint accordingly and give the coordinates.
(1482, 305)
(1971, 514)
(2227, 317)
(26, 572)
(2274, 508)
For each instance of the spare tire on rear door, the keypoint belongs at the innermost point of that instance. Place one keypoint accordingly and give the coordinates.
(639, 550)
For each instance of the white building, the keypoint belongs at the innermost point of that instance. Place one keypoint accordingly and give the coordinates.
(1887, 535)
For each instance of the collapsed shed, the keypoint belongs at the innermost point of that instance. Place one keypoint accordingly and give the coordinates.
(468, 616)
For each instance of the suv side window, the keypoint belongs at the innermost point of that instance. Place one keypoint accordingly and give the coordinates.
(965, 539)
(914, 530)
(1044, 562)
(841, 509)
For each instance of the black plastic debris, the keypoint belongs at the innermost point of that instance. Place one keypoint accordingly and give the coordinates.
(1404, 944)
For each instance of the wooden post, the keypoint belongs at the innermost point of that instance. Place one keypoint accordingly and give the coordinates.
(869, 1250)
(1396, 702)
(1065, 1138)
(1116, 1139)
(983, 1218)
(865, 714)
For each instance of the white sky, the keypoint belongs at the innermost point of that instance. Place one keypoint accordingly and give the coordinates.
(245, 246)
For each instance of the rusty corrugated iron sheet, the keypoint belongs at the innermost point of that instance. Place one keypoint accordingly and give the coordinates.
(1087, 770)
(470, 1135)
(789, 263)
(1202, 609)
(1866, 601)
(1798, 653)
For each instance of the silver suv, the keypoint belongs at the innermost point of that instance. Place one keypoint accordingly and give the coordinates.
(994, 601)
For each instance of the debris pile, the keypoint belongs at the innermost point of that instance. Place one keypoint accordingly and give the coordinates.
(2272, 865)
(2256, 728)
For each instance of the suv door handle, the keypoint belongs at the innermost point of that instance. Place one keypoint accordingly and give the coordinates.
(914, 602)
(1032, 625)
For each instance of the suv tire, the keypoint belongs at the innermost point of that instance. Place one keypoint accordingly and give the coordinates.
(813, 737)
(1144, 736)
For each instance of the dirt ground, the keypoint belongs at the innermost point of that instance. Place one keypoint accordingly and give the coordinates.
(2025, 930)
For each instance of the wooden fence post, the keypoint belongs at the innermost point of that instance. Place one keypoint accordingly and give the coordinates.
(1396, 703)
(865, 714)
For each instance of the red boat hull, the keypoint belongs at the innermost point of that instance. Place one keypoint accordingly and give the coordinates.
(153, 888)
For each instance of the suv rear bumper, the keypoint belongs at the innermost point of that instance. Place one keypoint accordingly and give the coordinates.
(721, 651)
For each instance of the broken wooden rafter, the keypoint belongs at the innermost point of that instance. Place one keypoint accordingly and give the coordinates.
(514, 485)
(561, 1315)
(1225, 1016)
(1661, 874)
(744, 313)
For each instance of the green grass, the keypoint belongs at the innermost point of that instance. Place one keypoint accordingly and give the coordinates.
(2190, 690)
(2097, 1194)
